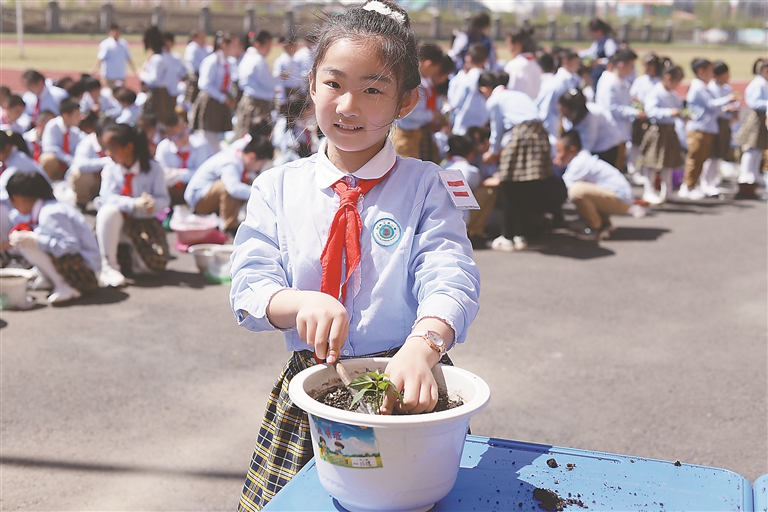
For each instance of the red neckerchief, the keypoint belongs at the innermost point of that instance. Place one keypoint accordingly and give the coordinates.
(4, 119)
(65, 143)
(128, 185)
(431, 96)
(38, 150)
(225, 83)
(344, 237)
(184, 155)
(26, 226)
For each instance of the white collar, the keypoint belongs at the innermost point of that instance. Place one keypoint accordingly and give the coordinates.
(327, 174)
(35, 213)
(135, 168)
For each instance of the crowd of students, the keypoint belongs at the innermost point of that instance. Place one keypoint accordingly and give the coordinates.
(527, 135)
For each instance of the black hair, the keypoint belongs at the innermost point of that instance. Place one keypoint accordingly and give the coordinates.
(489, 79)
(503, 77)
(153, 39)
(29, 184)
(32, 76)
(76, 89)
(699, 64)
(596, 24)
(759, 65)
(124, 135)
(566, 54)
(574, 101)
(64, 82)
(9, 138)
(524, 36)
(479, 133)
(260, 126)
(101, 125)
(460, 145)
(147, 120)
(5, 90)
(571, 139)
(477, 53)
(169, 37)
(88, 123)
(447, 65)
(431, 52)
(90, 83)
(720, 68)
(125, 95)
(295, 104)
(622, 55)
(478, 22)
(392, 37)
(674, 72)
(222, 37)
(172, 122)
(546, 62)
(114, 26)
(68, 105)
(263, 36)
(260, 145)
(653, 60)
(14, 100)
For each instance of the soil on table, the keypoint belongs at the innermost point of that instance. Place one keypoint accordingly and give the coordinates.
(551, 501)
(340, 397)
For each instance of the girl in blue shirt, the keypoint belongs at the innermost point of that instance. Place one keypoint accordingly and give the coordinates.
(753, 134)
(409, 274)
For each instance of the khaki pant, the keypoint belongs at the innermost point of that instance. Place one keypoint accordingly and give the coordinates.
(486, 198)
(699, 147)
(52, 166)
(85, 184)
(621, 156)
(407, 142)
(595, 204)
(217, 200)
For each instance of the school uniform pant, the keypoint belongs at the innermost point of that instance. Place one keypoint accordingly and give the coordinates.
(595, 204)
(478, 219)
(525, 200)
(218, 200)
(85, 184)
(611, 156)
(53, 167)
(699, 147)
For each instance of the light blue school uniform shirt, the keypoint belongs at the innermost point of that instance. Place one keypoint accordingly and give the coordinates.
(193, 57)
(152, 182)
(255, 79)
(589, 168)
(157, 71)
(422, 268)
(642, 85)
(113, 54)
(176, 73)
(49, 100)
(53, 139)
(167, 155)
(756, 94)
(548, 98)
(613, 95)
(284, 63)
(226, 166)
(212, 73)
(469, 107)
(129, 115)
(659, 103)
(598, 130)
(89, 155)
(704, 108)
(420, 115)
(507, 108)
(17, 161)
(62, 229)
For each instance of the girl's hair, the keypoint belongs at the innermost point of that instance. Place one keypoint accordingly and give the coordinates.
(546, 62)
(574, 101)
(596, 24)
(674, 72)
(389, 34)
(260, 145)
(90, 83)
(759, 65)
(32, 76)
(9, 138)
(524, 36)
(653, 60)
(14, 100)
(488, 79)
(29, 184)
(123, 135)
(478, 22)
(222, 37)
(153, 39)
(68, 105)
(64, 82)
(720, 68)
(125, 95)
(262, 37)
(89, 122)
(699, 64)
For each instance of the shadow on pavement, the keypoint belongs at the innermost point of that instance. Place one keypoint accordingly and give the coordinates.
(171, 278)
(641, 234)
(569, 247)
(3, 324)
(705, 206)
(29, 462)
(100, 296)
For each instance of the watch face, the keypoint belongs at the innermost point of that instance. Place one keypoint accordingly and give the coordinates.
(435, 338)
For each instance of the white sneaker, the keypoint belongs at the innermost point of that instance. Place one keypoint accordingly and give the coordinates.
(637, 211)
(692, 195)
(110, 276)
(40, 282)
(520, 243)
(503, 243)
(710, 191)
(63, 293)
(652, 198)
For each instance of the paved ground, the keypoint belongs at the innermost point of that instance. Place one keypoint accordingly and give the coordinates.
(652, 344)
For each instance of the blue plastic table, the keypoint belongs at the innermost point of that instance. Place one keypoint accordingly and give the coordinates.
(502, 475)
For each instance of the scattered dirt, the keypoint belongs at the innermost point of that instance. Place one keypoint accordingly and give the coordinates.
(341, 398)
(552, 463)
(677, 463)
(551, 501)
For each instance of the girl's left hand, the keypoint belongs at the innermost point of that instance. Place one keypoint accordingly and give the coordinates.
(411, 371)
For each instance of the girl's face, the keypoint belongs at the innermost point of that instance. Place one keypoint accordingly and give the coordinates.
(356, 101)
(723, 78)
(670, 83)
(23, 204)
(122, 155)
(263, 49)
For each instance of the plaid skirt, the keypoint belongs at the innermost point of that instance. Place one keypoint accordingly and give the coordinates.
(249, 109)
(661, 148)
(527, 156)
(76, 273)
(753, 133)
(284, 444)
(160, 104)
(639, 127)
(721, 146)
(191, 92)
(210, 115)
(149, 241)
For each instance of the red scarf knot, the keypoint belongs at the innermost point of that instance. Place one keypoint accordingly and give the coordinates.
(128, 185)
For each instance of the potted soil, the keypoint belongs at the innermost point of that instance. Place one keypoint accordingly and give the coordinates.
(392, 463)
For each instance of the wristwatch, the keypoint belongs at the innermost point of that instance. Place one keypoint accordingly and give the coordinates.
(433, 339)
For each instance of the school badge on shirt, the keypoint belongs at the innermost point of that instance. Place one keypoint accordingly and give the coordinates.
(386, 232)
(458, 190)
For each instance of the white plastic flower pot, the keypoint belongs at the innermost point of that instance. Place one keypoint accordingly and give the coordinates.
(13, 289)
(392, 463)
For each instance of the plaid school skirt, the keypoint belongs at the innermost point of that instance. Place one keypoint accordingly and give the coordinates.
(149, 241)
(249, 109)
(210, 115)
(527, 156)
(661, 148)
(191, 91)
(639, 127)
(284, 444)
(160, 104)
(721, 146)
(753, 133)
(76, 273)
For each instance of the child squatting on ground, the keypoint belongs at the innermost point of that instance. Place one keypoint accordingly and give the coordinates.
(407, 288)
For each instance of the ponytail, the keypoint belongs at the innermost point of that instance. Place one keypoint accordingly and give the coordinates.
(759, 65)
(125, 134)
(222, 37)
(9, 138)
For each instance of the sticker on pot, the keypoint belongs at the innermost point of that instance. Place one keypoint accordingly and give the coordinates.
(348, 446)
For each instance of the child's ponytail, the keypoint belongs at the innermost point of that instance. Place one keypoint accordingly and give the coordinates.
(124, 134)
(759, 65)
(9, 138)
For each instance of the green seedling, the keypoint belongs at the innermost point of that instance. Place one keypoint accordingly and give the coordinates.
(376, 384)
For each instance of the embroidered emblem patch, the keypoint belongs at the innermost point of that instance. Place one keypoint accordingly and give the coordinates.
(386, 232)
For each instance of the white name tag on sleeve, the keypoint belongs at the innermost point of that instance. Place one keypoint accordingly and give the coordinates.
(458, 190)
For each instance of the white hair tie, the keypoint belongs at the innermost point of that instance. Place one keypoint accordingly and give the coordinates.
(385, 10)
